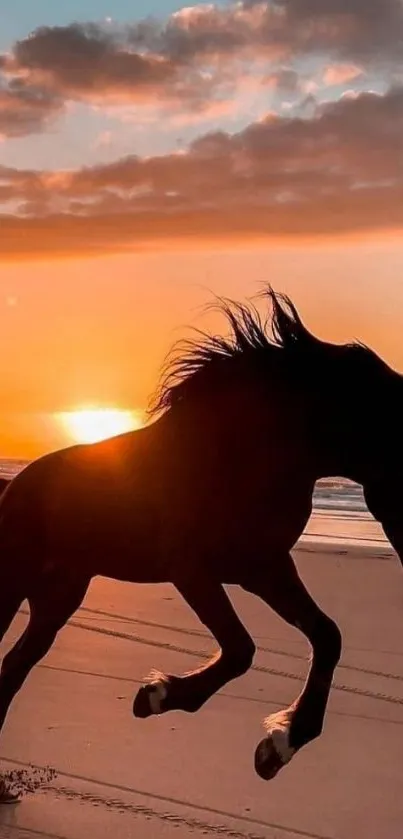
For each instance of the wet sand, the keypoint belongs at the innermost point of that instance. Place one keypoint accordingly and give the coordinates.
(192, 775)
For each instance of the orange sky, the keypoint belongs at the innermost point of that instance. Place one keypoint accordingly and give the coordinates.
(159, 152)
(96, 330)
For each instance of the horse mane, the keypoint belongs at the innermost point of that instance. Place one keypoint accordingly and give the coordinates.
(194, 365)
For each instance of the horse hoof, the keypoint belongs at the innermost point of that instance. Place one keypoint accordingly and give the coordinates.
(268, 761)
(275, 750)
(149, 700)
(141, 704)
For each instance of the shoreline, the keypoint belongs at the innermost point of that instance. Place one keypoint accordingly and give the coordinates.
(345, 547)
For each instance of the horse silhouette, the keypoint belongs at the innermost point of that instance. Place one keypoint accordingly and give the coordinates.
(215, 490)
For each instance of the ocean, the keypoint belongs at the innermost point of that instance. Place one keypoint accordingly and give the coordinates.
(339, 512)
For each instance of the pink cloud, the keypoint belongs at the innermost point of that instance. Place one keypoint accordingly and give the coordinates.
(190, 58)
(340, 74)
(339, 171)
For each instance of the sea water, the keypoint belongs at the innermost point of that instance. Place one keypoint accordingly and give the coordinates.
(339, 511)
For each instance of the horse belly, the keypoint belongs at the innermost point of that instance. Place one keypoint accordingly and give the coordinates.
(109, 539)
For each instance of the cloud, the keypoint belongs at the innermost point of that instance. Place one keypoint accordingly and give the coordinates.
(340, 74)
(83, 60)
(25, 108)
(103, 140)
(285, 80)
(97, 64)
(338, 171)
(368, 29)
(196, 56)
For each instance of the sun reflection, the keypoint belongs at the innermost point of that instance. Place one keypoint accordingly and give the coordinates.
(90, 425)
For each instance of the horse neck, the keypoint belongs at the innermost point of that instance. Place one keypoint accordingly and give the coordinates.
(353, 445)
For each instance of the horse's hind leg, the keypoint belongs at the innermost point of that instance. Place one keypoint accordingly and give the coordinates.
(10, 602)
(51, 605)
(289, 730)
(210, 602)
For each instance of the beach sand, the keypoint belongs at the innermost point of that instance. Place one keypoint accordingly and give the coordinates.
(184, 775)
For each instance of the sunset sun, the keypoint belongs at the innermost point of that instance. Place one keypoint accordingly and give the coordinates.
(89, 425)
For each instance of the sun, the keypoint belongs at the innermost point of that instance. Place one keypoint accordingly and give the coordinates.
(90, 425)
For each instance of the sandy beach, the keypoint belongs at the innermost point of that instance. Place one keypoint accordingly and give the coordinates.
(179, 775)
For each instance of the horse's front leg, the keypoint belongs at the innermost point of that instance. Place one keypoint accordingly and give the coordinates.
(385, 509)
(290, 729)
(189, 692)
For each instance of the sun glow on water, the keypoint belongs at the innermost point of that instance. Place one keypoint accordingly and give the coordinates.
(90, 425)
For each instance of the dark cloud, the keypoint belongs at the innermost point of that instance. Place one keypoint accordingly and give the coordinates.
(364, 30)
(284, 80)
(370, 30)
(87, 59)
(25, 108)
(90, 62)
(339, 171)
(94, 63)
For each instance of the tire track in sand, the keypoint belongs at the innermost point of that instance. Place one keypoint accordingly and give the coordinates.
(259, 668)
(271, 671)
(182, 819)
(198, 633)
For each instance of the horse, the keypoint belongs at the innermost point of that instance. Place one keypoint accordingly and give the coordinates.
(214, 490)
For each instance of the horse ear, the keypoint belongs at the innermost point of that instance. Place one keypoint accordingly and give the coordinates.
(287, 324)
